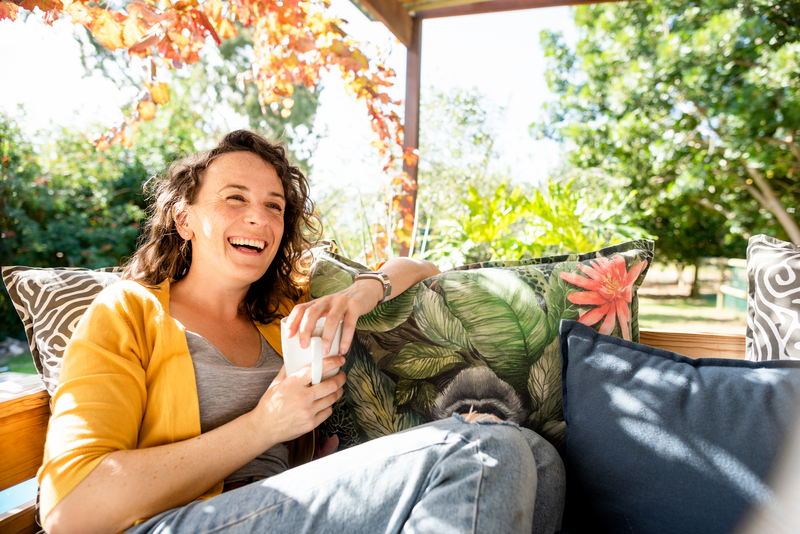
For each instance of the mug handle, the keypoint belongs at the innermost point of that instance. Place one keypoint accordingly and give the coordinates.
(316, 360)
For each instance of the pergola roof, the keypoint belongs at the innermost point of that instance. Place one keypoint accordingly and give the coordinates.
(399, 15)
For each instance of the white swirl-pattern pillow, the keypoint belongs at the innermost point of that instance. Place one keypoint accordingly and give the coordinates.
(773, 300)
(50, 303)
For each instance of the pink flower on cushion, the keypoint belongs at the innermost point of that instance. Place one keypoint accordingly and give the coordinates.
(610, 287)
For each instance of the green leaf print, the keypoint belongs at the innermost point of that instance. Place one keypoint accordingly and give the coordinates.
(370, 396)
(558, 306)
(544, 387)
(341, 423)
(553, 431)
(406, 389)
(439, 324)
(421, 392)
(391, 314)
(328, 279)
(420, 360)
(503, 318)
(635, 317)
(406, 420)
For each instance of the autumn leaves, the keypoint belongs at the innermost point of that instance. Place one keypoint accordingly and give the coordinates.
(293, 42)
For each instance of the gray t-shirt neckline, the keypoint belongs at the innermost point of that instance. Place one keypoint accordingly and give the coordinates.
(226, 391)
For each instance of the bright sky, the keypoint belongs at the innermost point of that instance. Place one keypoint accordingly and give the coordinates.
(498, 54)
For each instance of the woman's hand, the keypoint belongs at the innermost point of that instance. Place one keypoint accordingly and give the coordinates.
(351, 303)
(292, 406)
(347, 305)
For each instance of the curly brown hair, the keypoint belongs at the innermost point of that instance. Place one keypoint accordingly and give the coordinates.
(162, 254)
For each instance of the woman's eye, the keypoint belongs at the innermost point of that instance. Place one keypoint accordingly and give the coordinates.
(236, 197)
(276, 207)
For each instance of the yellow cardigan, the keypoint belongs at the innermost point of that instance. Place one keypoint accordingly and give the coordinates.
(127, 382)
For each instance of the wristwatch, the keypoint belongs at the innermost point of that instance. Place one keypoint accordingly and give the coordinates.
(382, 277)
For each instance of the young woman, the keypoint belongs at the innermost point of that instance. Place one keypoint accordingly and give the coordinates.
(174, 413)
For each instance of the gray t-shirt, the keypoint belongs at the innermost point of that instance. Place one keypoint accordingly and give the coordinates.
(226, 391)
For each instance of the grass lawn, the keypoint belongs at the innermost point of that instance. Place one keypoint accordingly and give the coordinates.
(689, 315)
(22, 363)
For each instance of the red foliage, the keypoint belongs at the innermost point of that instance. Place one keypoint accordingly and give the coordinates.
(294, 40)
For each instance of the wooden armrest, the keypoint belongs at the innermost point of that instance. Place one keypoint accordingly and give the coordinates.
(24, 412)
(696, 345)
(20, 520)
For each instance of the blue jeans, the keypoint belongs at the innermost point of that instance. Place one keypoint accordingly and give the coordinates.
(444, 477)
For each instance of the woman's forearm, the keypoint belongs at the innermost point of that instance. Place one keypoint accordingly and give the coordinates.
(405, 272)
(133, 484)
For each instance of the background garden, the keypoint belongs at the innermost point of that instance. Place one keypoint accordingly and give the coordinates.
(677, 120)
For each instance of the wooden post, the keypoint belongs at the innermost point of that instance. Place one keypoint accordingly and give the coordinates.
(411, 126)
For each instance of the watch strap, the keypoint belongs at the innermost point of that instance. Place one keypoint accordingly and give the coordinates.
(381, 277)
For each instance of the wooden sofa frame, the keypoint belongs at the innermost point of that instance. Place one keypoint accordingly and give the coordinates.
(25, 409)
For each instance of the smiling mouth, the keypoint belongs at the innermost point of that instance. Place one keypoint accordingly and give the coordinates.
(248, 244)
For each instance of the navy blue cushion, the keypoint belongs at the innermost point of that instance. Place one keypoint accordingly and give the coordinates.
(657, 442)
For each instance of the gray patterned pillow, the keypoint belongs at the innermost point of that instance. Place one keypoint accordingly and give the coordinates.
(50, 303)
(773, 300)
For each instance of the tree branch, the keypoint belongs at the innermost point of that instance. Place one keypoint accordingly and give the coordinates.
(789, 141)
(766, 197)
(749, 64)
(706, 203)
(753, 190)
(793, 146)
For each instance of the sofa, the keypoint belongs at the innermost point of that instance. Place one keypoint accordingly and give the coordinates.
(660, 431)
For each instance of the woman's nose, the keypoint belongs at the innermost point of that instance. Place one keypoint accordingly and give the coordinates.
(257, 215)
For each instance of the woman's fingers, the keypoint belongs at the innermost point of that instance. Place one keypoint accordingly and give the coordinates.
(304, 375)
(303, 320)
(329, 334)
(293, 406)
(307, 323)
(328, 400)
(348, 330)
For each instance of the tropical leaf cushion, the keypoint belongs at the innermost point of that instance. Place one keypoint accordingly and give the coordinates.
(483, 336)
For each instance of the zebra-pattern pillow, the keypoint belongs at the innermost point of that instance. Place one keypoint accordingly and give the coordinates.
(773, 300)
(50, 303)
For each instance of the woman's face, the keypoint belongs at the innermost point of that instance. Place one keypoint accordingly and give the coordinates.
(236, 222)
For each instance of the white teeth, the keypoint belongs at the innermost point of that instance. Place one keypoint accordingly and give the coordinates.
(248, 242)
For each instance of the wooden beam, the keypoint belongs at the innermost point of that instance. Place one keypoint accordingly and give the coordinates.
(411, 123)
(392, 14)
(496, 6)
(696, 345)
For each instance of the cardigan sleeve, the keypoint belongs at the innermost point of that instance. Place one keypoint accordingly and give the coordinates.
(101, 398)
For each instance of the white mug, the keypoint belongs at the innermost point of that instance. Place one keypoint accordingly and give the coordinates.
(295, 357)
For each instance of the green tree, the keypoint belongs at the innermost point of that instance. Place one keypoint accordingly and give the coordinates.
(458, 161)
(18, 166)
(66, 205)
(479, 215)
(693, 105)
